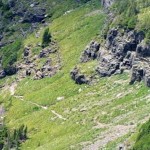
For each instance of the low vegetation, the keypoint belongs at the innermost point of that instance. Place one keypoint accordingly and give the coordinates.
(143, 138)
(12, 140)
(133, 15)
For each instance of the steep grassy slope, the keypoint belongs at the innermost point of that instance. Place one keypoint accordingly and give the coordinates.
(61, 115)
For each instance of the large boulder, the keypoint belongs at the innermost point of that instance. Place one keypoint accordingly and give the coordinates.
(137, 74)
(77, 77)
(10, 70)
(91, 52)
(143, 50)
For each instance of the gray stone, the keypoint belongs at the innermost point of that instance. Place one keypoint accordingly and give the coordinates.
(91, 52)
(77, 77)
(2, 74)
(143, 50)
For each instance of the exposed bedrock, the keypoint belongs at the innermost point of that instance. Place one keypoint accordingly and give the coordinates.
(122, 50)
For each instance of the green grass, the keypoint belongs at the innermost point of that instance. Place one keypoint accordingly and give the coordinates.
(143, 137)
(111, 100)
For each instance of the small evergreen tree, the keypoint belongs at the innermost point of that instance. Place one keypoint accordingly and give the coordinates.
(46, 38)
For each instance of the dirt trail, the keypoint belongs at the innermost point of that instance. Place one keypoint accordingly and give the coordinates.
(40, 106)
(12, 88)
(58, 115)
(22, 99)
(113, 133)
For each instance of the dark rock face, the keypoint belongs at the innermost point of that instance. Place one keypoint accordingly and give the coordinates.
(11, 70)
(143, 50)
(2, 74)
(91, 52)
(137, 74)
(77, 77)
(125, 51)
(118, 52)
(37, 15)
(122, 50)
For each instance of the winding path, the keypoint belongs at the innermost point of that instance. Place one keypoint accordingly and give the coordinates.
(40, 106)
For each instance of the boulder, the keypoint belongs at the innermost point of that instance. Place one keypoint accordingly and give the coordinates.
(143, 50)
(108, 65)
(43, 53)
(10, 70)
(91, 52)
(39, 75)
(137, 74)
(77, 77)
(26, 51)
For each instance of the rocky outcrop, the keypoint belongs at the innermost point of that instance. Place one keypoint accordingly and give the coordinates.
(36, 15)
(118, 52)
(41, 65)
(122, 50)
(125, 51)
(78, 77)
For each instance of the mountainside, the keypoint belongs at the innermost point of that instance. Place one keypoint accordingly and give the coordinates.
(74, 74)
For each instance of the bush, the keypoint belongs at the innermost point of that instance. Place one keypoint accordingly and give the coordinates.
(12, 140)
(46, 38)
